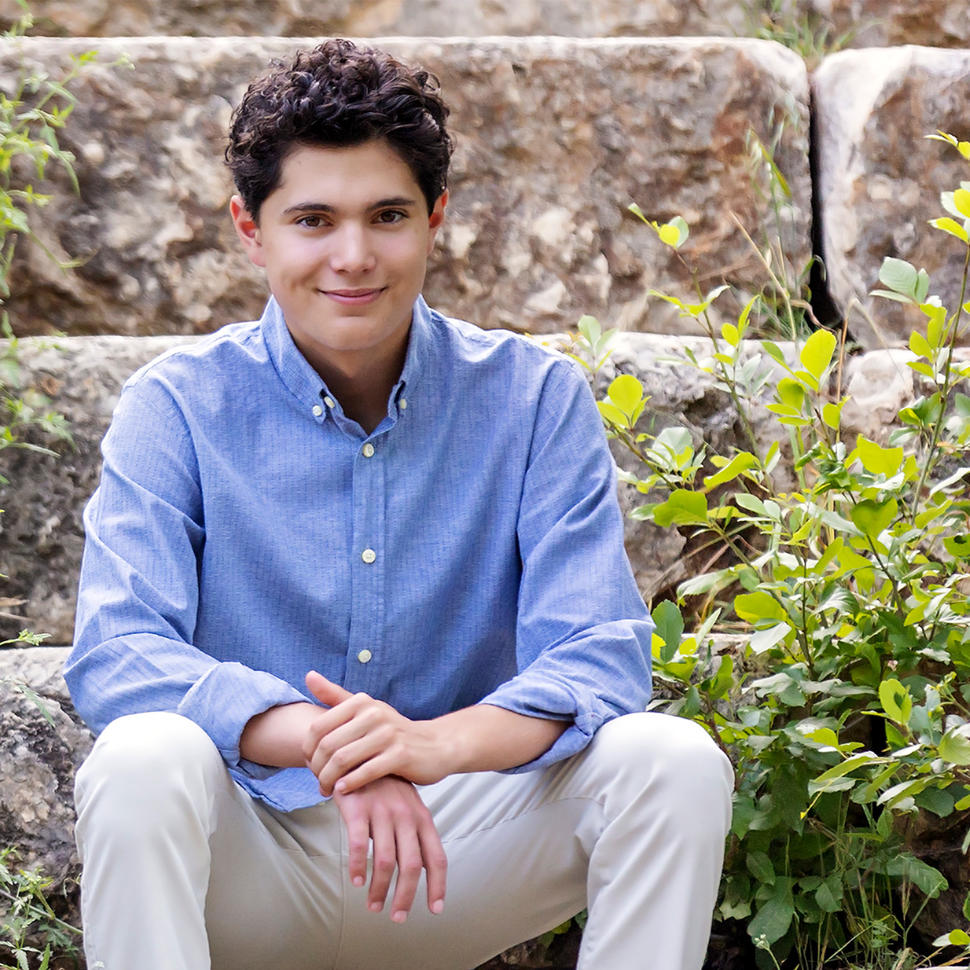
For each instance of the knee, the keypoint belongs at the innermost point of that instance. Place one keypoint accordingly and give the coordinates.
(141, 762)
(672, 756)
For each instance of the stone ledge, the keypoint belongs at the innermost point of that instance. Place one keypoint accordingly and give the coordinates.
(941, 23)
(879, 180)
(41, 537)
(555, 138)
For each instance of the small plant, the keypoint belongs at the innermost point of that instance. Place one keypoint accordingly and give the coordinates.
(30, 932)
(808, 34)
(843, 572)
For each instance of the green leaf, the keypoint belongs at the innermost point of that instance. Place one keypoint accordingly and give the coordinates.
(840, 770)
(762, 640)
(871, 518)
(901, 277)
(758, 606)
(613, 414)
(759, 865)
(896, 700)
(772, 919)
(626, 392)
(927, 879)
(829, 894)
(876, 459)
(832, 414)
(817, 353)
(953, 938)
(674, 233)
(954, 747)
(952, 227)
(683, 507)
(961, 200)
(669, 627)
(791, 393)
(739, 464)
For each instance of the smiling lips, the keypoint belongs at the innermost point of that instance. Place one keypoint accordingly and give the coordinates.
(354, 297)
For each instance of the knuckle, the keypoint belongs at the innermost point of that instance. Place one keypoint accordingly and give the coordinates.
(384, 864)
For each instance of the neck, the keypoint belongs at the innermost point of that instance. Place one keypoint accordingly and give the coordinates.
(361, 382)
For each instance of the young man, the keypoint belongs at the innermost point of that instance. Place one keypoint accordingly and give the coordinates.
(359, 550)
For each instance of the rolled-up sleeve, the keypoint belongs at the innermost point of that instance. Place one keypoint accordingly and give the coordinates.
(139, 588)
(583, 633)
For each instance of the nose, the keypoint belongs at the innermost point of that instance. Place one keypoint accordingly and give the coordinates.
(352, 252)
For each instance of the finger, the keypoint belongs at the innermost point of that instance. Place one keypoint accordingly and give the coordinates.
(339, 741)
(326, 691)
(383, 862)
(337, 772)
(326, 723)
(409, 866)
(435, 863)
(358, 840)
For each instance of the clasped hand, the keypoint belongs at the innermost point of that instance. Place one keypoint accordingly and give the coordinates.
(367, 755)
(360, 739)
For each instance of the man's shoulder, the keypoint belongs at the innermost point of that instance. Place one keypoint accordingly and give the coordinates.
(467, 343)
(226, 348)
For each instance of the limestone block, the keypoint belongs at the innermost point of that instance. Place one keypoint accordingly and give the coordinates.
(37, 761)
(41, 536)
(879, 180)
(555, 139)
(866, 23)
(884, 23)
(373, 18)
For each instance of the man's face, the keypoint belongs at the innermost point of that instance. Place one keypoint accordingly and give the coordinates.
(344, 240)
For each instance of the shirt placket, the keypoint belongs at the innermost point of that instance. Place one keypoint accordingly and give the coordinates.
(366, 665)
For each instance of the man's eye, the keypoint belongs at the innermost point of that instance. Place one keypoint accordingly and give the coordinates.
(310, 222)
(390, 216)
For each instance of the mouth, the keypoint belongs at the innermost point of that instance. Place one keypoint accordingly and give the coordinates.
(354, 296)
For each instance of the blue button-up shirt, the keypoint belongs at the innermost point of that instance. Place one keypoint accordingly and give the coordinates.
(469, 549)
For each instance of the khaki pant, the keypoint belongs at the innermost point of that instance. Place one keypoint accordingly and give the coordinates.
(184, 871)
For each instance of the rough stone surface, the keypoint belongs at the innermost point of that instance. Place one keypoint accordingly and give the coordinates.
(882, 23)
(555, 138)
(41, 536)
(879, 180)
(37, 762)
(373, 18)
(861, 23)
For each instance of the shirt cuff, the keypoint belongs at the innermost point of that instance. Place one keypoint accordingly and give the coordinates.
(223, 701)
(535, 696)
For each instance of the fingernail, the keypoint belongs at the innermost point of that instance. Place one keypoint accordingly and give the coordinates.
(341, 786)
(358, 880)
(374, 907)
(438, 906)
(400, 916)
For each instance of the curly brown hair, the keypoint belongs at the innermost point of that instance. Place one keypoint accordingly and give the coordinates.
(338, 95)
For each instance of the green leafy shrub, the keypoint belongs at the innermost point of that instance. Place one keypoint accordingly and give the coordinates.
(845, 581)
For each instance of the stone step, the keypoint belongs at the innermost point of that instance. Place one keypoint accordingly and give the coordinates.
(814, 22)
(41, 535)
(879, 181)
(556, 137)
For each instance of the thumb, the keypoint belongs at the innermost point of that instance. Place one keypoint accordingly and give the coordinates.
(326, 691)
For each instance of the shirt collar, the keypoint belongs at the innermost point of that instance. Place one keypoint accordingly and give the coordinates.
(307, 385)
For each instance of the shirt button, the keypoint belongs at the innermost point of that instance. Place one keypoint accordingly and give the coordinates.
(368, 555)
(368, 450)
(364, 656)
(317, 410)
(329, 401)
(404, 403)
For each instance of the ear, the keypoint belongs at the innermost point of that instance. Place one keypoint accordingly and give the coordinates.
(436, 218)
(247, 229)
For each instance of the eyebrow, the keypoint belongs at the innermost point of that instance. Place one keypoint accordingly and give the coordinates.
(400, 201)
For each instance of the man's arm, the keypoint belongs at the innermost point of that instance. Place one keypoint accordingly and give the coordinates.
(360, 739)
